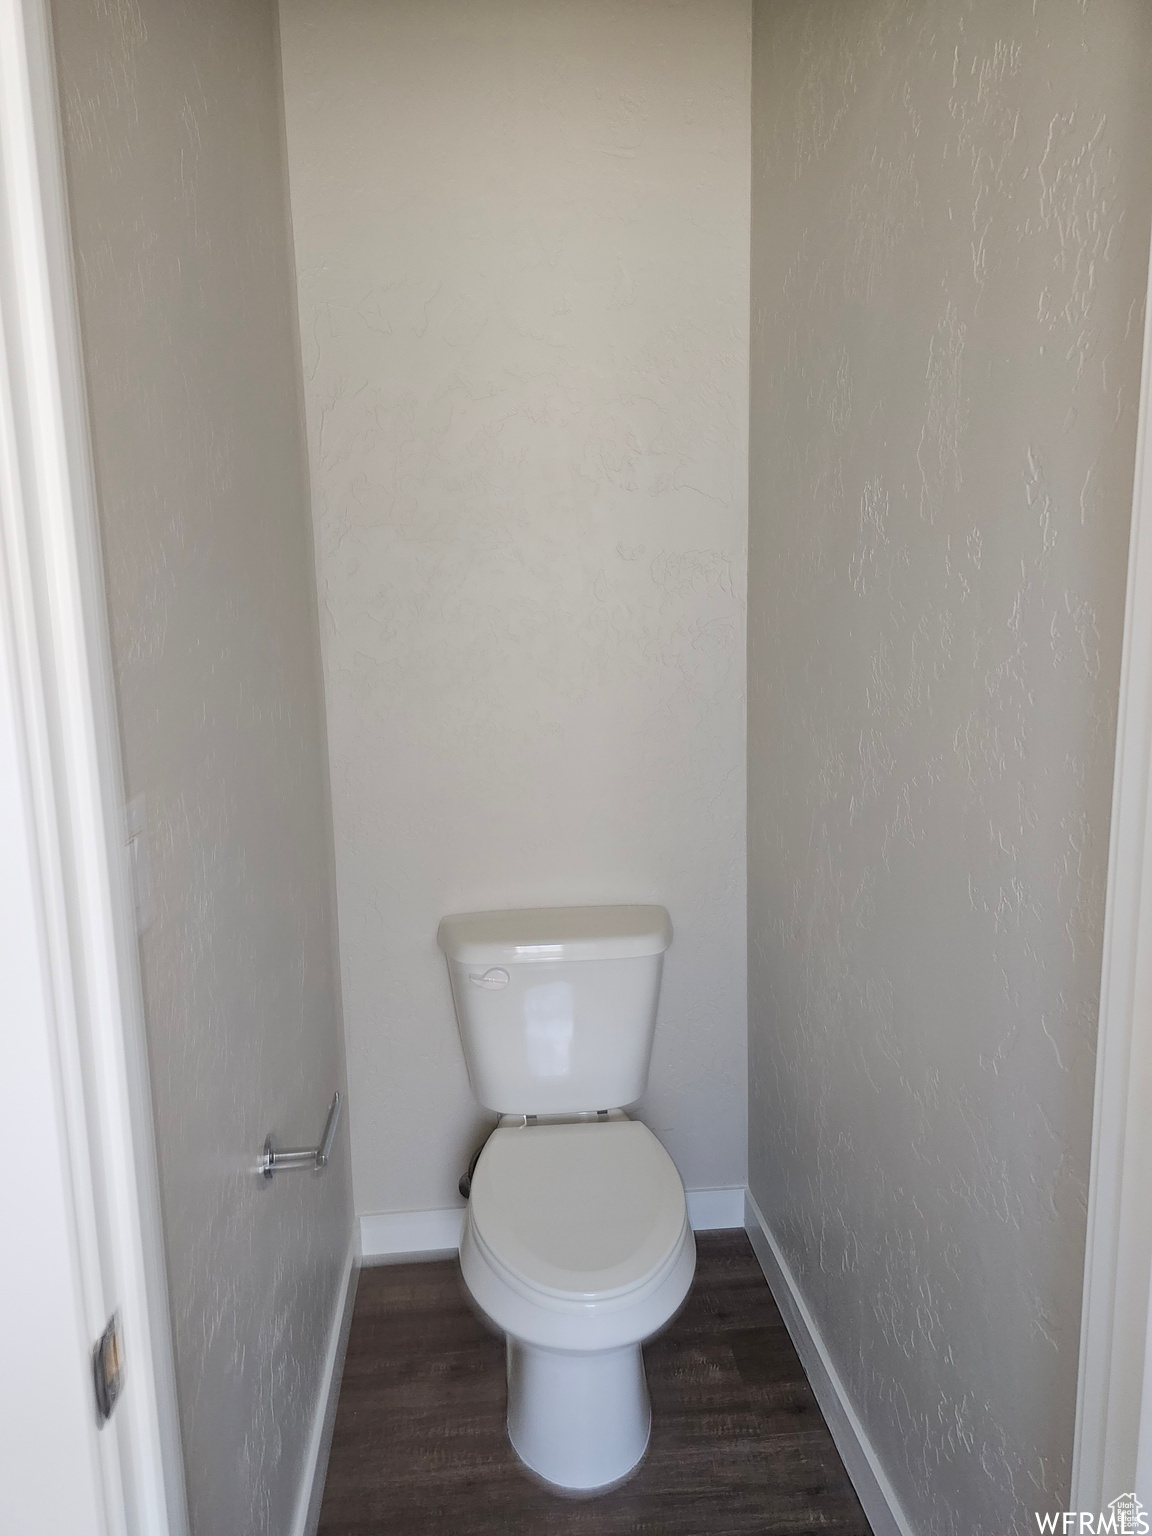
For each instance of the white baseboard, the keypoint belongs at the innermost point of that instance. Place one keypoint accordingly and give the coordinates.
(388, 1237)
(311, 1494)
(864, 1468)
(716, 1210)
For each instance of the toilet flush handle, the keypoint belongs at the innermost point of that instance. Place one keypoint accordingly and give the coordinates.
(494, 978)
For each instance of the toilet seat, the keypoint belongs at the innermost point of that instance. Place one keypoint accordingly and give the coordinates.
(585, 1212)
(576, 1236)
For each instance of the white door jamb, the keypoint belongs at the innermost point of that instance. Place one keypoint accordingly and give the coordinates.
(1116, 1314)
(63, 717)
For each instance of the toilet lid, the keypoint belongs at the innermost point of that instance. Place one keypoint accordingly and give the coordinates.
(583, 1210)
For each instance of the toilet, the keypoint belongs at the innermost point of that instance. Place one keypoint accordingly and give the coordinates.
(576, 1243)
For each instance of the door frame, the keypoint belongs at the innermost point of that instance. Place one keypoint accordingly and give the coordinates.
(1109, 1454)
(63, 726)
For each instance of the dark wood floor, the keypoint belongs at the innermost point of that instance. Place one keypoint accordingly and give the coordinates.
(738, 1443)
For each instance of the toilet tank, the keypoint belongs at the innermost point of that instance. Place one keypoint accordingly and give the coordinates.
(556, 1005)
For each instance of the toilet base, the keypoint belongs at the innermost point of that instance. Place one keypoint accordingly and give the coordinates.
(578, 1420)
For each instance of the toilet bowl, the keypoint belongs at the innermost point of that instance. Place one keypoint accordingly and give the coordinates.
(576, 1245)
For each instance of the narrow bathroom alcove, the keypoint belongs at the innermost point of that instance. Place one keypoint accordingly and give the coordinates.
(673, 453)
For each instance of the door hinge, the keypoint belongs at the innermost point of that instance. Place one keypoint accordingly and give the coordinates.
(108, 1368)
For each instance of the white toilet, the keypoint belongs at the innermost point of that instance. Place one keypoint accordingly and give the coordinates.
(576, 1240)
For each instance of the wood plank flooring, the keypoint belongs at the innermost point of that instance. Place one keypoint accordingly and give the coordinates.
(738, 1443)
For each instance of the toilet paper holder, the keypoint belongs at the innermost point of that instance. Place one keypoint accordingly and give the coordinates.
(277, 1159)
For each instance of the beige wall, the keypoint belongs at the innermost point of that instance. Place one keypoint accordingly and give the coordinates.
(951, 208)
(521, 236)
(174, 148)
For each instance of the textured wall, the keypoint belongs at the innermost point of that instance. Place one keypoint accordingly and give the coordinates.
(174, 147)
(950, 239)
(521, 236)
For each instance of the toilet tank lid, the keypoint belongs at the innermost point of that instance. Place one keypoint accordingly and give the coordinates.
(556, 934)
